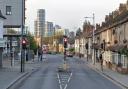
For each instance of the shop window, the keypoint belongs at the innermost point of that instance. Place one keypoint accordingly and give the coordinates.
(124, 61)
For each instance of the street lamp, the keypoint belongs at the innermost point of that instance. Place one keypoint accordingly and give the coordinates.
(93, 17)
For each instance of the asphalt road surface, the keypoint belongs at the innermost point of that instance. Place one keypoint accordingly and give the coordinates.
(80, 76)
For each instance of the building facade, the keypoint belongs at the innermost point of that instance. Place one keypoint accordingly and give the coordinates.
(1, 36)
(39, 25)
(12, 10)
(49, 29)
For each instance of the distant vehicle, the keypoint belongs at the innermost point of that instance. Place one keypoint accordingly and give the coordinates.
(45, 49)
(69, 54)
(54, 53)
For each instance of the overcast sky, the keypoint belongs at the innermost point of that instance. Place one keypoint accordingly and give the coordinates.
(70, 13)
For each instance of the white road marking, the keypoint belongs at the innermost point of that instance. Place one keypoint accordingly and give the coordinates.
(60, 87)
(58, 78)
(65, 86)
(62, 79)
(59, 81)
(70, 77)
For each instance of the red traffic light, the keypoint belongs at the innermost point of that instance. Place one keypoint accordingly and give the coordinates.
(65, 39)
(24, 41)
(65, 42)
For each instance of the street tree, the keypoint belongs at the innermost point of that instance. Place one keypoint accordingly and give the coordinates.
(32, 42)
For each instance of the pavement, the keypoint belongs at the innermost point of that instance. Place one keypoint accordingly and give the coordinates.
(121, 79)
(10, 74)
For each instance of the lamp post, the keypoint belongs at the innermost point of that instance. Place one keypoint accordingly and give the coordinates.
(93, 53)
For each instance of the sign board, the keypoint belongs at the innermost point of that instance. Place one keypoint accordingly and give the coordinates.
(2, 42)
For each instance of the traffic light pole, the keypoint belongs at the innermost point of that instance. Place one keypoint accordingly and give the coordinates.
(11, 54)
(65, 46)
(22, 32)
(87, 54)
(64, 55)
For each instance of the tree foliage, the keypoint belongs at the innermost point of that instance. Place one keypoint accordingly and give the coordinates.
(124, 51)
(32, 43)
(72, 49)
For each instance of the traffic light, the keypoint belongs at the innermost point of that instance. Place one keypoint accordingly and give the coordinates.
(86, 45)
(65, 42)
(24, 44)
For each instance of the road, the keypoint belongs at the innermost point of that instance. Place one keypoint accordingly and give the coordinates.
(80, 77)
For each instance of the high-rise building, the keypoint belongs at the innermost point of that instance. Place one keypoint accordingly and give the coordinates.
(49, 30)
(57, 27)
(40, 25)
(41, 21)
(71, 34)
(36, 31)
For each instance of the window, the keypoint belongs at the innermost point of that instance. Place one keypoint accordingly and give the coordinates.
(8, 10)
(113, 32)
